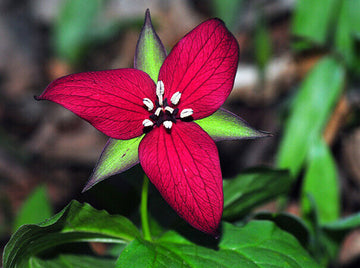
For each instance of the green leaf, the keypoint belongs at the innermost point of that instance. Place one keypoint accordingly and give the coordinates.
(333, 233)
(262, 44)
(353, 10)
(321, 172)
(117, 156)
(224, 125)
(311, 109)
(344, 41)
(150, 52)
(75, 223)
(289, 223)
(71, 31)
(228, 11)
(312, 21)
(344, 224)
(253, 188)
(257, 244)
(35, 209)
(71, 261)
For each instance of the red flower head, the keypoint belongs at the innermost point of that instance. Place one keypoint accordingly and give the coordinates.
(177, 155)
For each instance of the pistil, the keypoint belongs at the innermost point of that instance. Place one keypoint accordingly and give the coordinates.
(160, 89)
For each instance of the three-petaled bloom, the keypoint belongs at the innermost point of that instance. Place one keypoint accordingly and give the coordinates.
(177, 155)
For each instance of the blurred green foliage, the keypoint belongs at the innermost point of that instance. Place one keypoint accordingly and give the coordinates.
(36, 208)
(73, 28)
(322, 183)
(228, 11)
(262, 44)
(80, 25)
(309, 113)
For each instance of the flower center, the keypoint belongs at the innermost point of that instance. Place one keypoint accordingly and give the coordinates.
(164, 113)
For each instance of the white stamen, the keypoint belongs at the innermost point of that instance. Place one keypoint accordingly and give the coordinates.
(169, 109)
(186, 113)
(148, 103)
(175, 98)
(160, 89)
(167, 124)
(157, 112)
(147, 123)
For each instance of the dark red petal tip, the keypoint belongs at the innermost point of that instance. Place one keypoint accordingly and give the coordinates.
(112, 101)
(202, 67)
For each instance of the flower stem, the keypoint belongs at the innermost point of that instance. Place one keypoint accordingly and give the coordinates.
(143, 209)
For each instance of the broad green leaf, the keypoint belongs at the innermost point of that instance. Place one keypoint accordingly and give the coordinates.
(117, 156)
(344, 41)
(257, 244)
(150, 52)
(35, 209)
(224, 125)
(75, 223)
(321, 182)
(72, 261)
(71, 30)
(253, 188)
(311, 109)
(313, 20)
(289, 223)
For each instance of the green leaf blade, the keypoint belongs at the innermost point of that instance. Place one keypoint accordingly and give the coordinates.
(344, 40)
(35, 209)
(309, 13)
(75, 223)
(321, 172)
(71, 261)
(224, 125)
(253, 188)
(314, 102)
(239, 247)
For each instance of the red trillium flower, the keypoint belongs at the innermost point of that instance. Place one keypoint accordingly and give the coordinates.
(161, 117)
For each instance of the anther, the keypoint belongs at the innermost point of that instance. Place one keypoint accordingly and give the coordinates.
(175, 98)
(148, 103)
(186, 113)
(158, 111)
(167, 124)
(169, 109)
(147, 123)
(160, 89)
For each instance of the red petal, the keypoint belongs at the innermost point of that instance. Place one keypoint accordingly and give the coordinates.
(202, 67)
(184, 166)
(112, 101)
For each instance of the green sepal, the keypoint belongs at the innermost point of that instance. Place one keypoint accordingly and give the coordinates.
(117, 156)
(224, 125)
(150, 52)
(120, 155)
